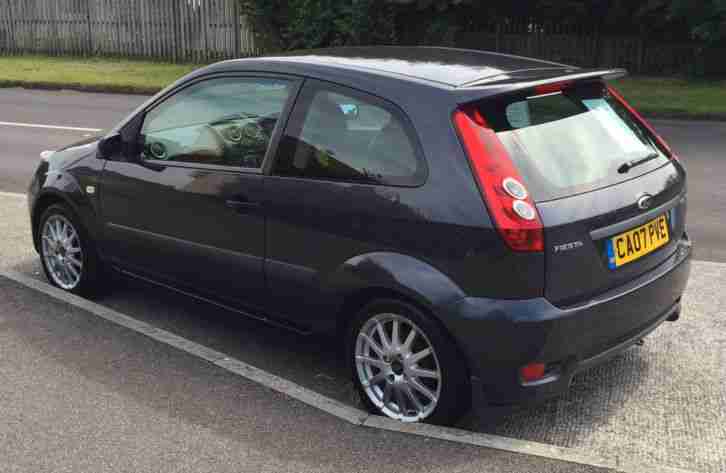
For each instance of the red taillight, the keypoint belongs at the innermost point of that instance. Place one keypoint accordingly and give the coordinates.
(514, 215)
(532, 372)
(661, 142)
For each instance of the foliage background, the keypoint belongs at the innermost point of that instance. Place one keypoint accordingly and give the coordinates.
(302, 24)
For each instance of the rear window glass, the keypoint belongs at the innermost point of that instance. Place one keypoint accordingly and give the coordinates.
(573, 141)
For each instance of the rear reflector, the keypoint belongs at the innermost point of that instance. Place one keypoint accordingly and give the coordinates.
(516, 219)
(659, 139)
(532, 372)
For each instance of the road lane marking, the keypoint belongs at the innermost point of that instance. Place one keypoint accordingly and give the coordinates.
(331, 406)
(49, 127)
(14, 195)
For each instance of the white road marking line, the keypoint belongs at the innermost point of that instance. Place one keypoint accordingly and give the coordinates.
(49, 127)
(14, 195)
(331, 406)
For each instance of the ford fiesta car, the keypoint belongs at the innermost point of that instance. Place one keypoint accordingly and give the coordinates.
(472, 227)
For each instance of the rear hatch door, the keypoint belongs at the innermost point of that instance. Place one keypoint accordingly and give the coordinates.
(608, 190)
(602, 239)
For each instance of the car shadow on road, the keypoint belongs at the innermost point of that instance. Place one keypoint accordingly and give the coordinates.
(316, 362)
(312, 361)
(77, 389)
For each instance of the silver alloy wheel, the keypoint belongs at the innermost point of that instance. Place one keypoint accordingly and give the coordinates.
(398, 368)
(62, 252)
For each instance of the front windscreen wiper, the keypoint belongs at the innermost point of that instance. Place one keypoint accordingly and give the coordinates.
(636, 162)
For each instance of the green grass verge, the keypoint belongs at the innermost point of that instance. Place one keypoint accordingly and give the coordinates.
(98, 75)
(659, 97)
(676, 98)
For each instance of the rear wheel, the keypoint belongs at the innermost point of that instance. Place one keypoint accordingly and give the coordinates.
(404, 365)
(67, 253)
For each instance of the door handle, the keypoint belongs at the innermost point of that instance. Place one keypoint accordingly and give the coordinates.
(242, 204)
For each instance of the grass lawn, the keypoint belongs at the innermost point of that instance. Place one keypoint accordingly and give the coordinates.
(676, 98)
(663, 97)
(112, 75)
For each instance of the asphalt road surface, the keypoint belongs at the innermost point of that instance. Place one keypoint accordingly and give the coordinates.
(21, 144)
(702, 147)
(83, 395)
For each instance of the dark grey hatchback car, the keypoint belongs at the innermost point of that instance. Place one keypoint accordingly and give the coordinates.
(472, 227)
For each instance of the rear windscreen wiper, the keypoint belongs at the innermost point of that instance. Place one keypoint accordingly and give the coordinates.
(636, 162)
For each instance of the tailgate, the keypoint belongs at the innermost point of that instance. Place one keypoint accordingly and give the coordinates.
(609, 191)
(577, 231)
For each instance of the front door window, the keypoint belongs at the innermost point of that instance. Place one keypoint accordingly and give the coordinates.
(225, 122)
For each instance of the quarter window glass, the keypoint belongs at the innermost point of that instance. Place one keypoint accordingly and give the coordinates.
(226, 122)
(350, 137)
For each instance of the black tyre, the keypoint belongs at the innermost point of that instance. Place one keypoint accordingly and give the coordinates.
(405, 366)
(68, 254)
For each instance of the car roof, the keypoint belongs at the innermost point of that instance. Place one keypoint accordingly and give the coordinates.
(444, 66)
(467, 75)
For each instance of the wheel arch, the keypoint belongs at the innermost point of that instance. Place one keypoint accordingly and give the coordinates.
(355, 301)
(42, 203)
(386, 275)
(71, 196)
(410, 301)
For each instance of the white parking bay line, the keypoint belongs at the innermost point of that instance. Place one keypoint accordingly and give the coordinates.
(331, 406)
(49, 127)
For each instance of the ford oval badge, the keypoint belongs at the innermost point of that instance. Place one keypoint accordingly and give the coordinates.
(645, 201)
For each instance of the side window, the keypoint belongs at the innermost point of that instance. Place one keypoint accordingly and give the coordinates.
(341, 134)
(226, 122)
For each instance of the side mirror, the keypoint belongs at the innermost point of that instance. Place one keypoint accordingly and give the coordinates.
(109, 146)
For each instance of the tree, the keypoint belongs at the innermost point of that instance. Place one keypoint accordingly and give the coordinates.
(707, 20)
(302, 24)
(706, 17)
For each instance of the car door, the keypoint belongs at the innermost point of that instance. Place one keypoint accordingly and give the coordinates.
(343, 183)
(187, 209)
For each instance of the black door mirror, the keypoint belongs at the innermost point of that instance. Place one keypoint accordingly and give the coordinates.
(109, 146)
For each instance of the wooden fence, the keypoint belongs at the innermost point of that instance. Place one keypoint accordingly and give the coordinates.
(585, 47)
(208, 30)
(175, 30)
(638, 55)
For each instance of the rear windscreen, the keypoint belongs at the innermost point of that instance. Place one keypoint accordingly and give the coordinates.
(571, 142)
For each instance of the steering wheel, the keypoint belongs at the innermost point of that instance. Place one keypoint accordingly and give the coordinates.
(238, 135)
(247, 141)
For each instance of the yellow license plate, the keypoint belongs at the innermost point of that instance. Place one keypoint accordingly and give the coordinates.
(638, 242)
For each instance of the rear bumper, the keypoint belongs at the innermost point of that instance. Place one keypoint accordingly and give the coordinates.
(499, 337)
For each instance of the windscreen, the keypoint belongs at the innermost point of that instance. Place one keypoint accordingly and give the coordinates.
(573, 141)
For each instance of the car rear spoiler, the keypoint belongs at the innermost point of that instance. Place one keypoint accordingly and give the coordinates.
(529, 78)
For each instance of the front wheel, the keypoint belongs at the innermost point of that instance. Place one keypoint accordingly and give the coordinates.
(67, 253)
(405, 367)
